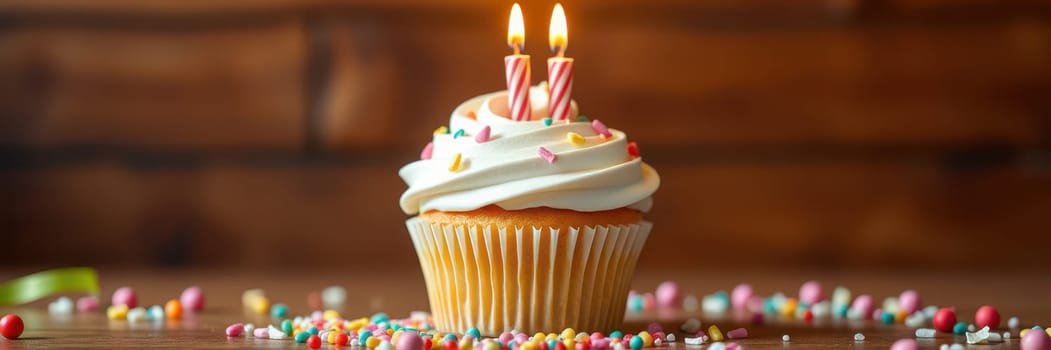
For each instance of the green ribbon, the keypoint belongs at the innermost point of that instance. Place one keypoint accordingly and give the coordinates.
(35, 286)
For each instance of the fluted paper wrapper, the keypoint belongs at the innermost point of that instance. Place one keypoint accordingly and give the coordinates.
(531, 280)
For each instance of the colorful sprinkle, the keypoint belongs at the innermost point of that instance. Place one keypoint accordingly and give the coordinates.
(582, 119)
(600, 128)
(192, 298)
(457, 163)
(715, 333)
(575, 138)
(472, 115)
(441, 130)
(633, 149)
(546, 154)
(458, 134)
(483, 135)
(428, 151)
(547, 121)
(235, 330)
(11, 326)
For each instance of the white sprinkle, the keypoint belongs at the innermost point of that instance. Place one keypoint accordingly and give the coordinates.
(930, 311)
(136, 314)
(859, 337)
(690, 326)
(980, 336)
(995, 337)
(821, 309)
(670, 338)
(657, 342)
(785, 338)
(618, 346)
(692, 341)
(714, 304)
(156, 313)
(1007, 335)
(957, 346)
(925, 333)
(971, 328)
(717, 346)
(248, 329)
(275, 333)
(1012, 322)
(689, 303)
(333, 297)
(62, 306)
(355, 342)
(944, 347)
(385, 345)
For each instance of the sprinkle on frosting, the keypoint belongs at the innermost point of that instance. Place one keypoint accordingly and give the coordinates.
(458, 134)
(472, 115)
(600, 128)
(582, 119)
(633, 149)
(428, 151)
(457, 163)
(483, 135)
(575, 138)
(546, 154)
(441, 130)
(598, 174)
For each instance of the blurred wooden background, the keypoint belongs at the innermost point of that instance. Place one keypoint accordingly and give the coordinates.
(811, 133)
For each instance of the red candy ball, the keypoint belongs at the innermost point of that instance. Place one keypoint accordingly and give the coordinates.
(11, 326)
(944, 320)
(314, 342)
(987, 316)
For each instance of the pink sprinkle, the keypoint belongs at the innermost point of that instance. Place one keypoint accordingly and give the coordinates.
(737, 333)
(547, 155)
(235, 330)
(428, 151)
(261, 333)
(732, 346)
(600, 128)
(88, 304)
(483, 135)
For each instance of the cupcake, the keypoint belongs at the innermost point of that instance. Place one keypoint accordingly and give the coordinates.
(531, 226)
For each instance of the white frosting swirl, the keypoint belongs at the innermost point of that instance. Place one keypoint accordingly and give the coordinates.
(507, 171)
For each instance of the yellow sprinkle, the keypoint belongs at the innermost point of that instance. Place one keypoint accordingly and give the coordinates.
(372, 342)
(331, 337)
(551, 336)
(789, 307)
(441, 130)
(569, 343)
(715, 334)
(647, 339)
(261, 305)
(330, 315)
(529, 345)
(117, 312)
(466, 344)
(456, 164)
(575, 138)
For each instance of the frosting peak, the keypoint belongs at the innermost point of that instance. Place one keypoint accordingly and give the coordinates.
(588, 171)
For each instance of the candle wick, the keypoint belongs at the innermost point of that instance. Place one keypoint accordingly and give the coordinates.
(516, 49)
(561, 51)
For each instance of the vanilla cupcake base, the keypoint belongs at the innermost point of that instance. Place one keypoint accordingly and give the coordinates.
(530, 280)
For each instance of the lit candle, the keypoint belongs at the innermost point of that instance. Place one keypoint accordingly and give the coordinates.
(559, 68)
(517, 68)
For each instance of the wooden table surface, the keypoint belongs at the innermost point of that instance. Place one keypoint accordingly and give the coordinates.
(1015, 293)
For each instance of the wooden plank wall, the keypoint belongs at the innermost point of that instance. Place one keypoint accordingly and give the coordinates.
(812, 133)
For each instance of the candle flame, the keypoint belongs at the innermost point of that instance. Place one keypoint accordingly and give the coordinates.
(516, 29)
(558, 33)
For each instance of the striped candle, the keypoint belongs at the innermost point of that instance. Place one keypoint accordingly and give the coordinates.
(560, 87)
(518, 78)
(517, 68)
(559, 68)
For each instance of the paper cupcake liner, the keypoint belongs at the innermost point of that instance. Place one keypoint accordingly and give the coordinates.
(530, 280)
